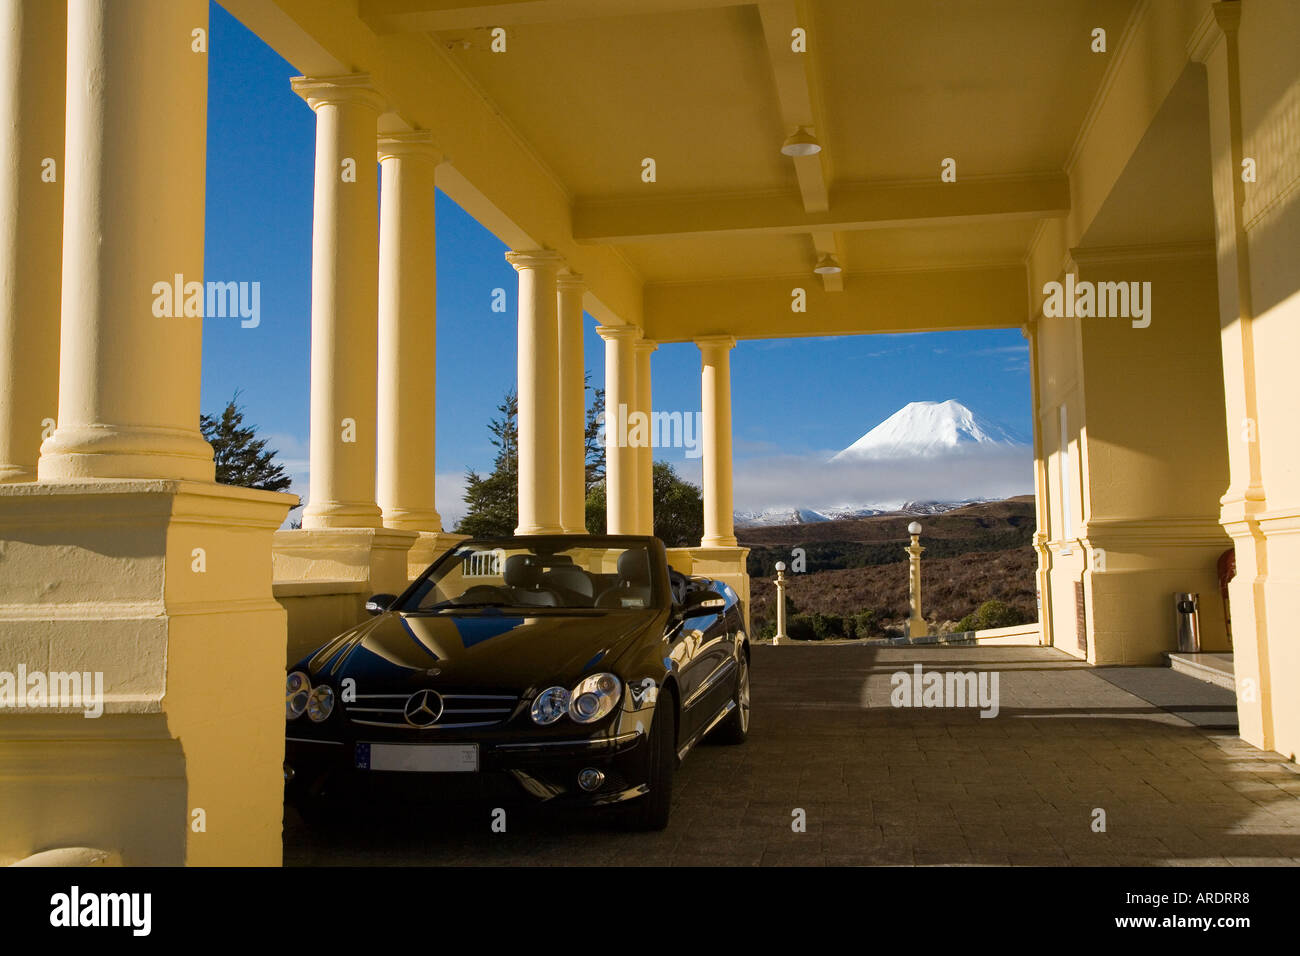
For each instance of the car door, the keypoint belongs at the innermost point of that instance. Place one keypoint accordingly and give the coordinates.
(711, 662)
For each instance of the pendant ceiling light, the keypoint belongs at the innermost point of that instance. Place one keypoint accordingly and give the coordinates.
(801, 143)
(827, 265)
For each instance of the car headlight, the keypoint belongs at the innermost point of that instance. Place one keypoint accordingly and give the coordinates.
(550, 705)
(297, 689)
(321, 703)
(595, 697)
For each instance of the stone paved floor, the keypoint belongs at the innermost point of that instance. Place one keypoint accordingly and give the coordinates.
(885, 785)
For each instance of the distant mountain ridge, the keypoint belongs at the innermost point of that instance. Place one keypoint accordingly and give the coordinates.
(783, 516)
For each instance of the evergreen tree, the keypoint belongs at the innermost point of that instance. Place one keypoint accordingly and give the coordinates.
(240, 456)
(595, 470)
(679, 508)
(493, 499)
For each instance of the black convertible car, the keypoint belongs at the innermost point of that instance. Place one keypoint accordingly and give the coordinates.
(573, 668)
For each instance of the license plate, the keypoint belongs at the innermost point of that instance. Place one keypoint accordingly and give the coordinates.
(418, 758)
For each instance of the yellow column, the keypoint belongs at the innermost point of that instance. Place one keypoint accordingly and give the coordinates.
(132, 234)
(1244, 500)
(344, 302)
(715, 381)
(33, 49)
(573, 407)
(1043, 572)
(539, 391)
(645, 453)
(126, 560)
(621, 504)
(407, 333)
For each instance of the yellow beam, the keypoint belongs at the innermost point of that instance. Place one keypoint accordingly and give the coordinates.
(1147, 60)
(984, 298)
(795, 74)
(528, 207)
(852, 206)
(415, 16)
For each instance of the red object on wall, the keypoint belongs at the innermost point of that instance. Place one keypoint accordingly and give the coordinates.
(1227, 571)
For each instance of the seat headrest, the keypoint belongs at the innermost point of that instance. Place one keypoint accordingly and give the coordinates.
(522, 571)
(634, 567)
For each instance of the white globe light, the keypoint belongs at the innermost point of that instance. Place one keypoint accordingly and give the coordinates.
(914, 528)
(780, 565)
(801, 143)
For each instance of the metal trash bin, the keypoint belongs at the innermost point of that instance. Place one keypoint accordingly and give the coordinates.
(1187, 615)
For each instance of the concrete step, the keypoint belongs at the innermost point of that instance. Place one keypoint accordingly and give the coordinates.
(1214, 667)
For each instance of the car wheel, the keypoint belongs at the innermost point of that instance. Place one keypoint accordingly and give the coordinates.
(735, 728)
(651, 812)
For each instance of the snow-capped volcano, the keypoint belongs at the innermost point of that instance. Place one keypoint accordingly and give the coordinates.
(928, 430)
(926, 458)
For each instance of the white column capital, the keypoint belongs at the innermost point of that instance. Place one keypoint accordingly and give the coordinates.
(716, 343)
(1221, 21)
(618, 333)
(1228, 15)
(352, 88)
(646, 345)
(540, 259)
(570, 282)
(417, 144)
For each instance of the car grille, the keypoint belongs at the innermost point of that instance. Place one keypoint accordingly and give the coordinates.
(459, 711)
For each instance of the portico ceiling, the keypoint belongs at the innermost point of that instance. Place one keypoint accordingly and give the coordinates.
(546, 140)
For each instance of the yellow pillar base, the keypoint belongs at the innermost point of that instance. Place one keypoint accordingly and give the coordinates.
(164, 588)
(430, 546)
(721, 564)
(324, 576)
(1134, 570)
(376, 557)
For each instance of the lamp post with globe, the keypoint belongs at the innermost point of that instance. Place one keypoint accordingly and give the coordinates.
(916, 626)
(780, 603)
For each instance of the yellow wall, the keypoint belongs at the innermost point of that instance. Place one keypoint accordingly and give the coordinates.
(1146, 461)
(1270, 129)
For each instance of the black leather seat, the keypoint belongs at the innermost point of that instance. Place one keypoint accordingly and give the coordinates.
(632, 587)
(523, 576)
(572, 583)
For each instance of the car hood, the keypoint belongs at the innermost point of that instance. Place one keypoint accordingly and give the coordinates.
(507, 651)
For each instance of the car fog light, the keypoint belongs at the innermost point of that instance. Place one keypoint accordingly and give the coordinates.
(297, 690)
(321, 703)
(550, 705)
(590, 779)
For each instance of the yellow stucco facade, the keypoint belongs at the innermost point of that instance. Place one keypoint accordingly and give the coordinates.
(631, 160)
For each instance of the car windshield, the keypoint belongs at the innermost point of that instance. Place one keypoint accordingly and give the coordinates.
(520, 574)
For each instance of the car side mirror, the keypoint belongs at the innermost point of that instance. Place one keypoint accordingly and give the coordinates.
(379, 603)
(707, 600)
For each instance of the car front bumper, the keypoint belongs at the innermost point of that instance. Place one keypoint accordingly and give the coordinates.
(536, 769)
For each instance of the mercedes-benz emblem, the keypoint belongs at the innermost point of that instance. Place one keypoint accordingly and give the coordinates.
(423, 708)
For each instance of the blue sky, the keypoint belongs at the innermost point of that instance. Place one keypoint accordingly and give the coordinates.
(791, 398)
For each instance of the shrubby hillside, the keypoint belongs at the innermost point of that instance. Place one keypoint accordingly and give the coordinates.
(973, 554)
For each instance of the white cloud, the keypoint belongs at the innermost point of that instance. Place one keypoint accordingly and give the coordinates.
(791, 481)
(449, 495)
